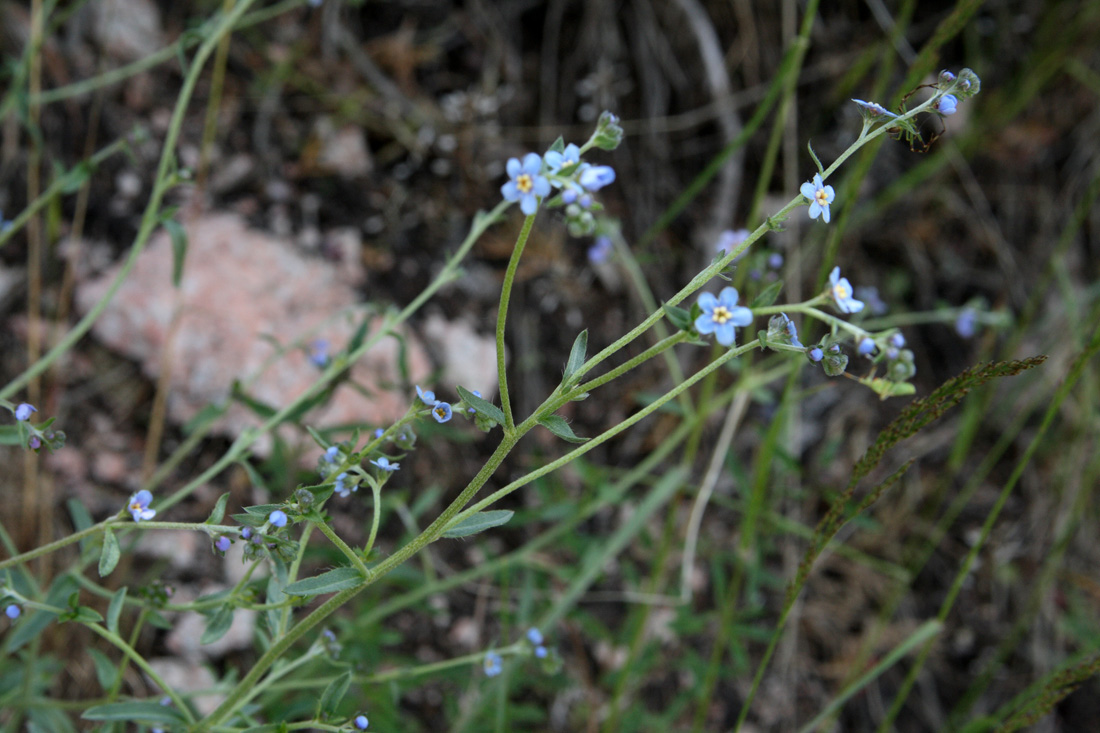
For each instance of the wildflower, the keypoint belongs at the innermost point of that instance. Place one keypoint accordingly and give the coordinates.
(585, 202)
(816, 354)
(841, 290)
(441, 412)
(873, 109)
(866, 346)
(222, 543)
(526, 185)
(277, 518)
(246, 533)
(869, 294)
(378, 433)
(426, 396)
(569, 195)
(35, 442)
(492, 664)
(729, 239)
(792, 330)
(781, 330)
(556, 162)
(23, 412)
(13, 611)
(820, 197)
(946, 77)
(721, 314)
(331, 454)
(384, 464)
(339, 487)
(534, 636)
(318, 353)
(965, 324)
(541, 652)
(775, 260)
(595, 177)
(139, 506)
(600, 250)
(897, 339)
(361, 722)
(947, 104)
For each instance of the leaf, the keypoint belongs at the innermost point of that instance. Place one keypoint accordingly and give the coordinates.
(218, 624)
(481, 406)
(133, 711)
(478, 522)
(219, 510)
(10, 435)
(109, 555)
(559, 427)
(679, 317)
(178, 236)
(105, 670)
(576, 356)
(328, 582)
(820, 168)
(118, 601)
(334, 693)
(768, 296)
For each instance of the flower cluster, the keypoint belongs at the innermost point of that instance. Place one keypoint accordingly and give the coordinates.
(441, 411)
(35, 436)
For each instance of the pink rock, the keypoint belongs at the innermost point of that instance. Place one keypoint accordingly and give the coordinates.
(242, 290)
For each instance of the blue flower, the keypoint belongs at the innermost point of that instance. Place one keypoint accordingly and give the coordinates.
(318, 353)
(441, 412)
(600, 250)
(139, 506)
(721, 314)
(585, 202)
(426, 396)
(331, 454)
(339, 488)
(820, 197)
(947, 104)
(897, 339)
(13, 611)
(526, 185)
(730, 238)
(378, 433)
(866, 346)
(816, 354)
(792, 331)
(870, 295)
(534, 636)
(361, 722)
(277, 518)
(246, 533)
(775, 260)
(873, 109)
(222, 543)
(492, 664)
(384, 464)
(541, 652)
(23, 412)
(595, 177)
(841, 290)
(966, 323)
(556, 161)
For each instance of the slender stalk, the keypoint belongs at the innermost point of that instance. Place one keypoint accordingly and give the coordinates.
(502, 317)
(349, 553)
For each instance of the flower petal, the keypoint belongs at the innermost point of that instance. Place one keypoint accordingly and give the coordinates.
(808, 190)
(704, 324)
(707, 302)
(725, 334)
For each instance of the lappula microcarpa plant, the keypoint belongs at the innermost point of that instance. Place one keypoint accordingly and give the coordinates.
(565, 181)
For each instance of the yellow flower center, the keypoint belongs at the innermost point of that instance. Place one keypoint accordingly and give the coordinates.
(721, 314)
(525, 183)
(822, 198)
(841, 292)
(136, 506)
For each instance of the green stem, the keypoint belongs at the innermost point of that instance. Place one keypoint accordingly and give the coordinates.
(502, 316)
(138, 660)
(349, 553)
(376, 493)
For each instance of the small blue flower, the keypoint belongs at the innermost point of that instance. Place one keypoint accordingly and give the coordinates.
(246, 533)
(816, 354)
(534, 636)
(526, 185)
(869, 294)
(585, 202)
(441, 412)
(556, 161)
(792, 331)
(600, 250)
(569, 195)
(896, 339)
(13, 611)
(318, 353)
(541, 652)
(277, 518)
(820, 197)
(139, 506)
(23, 411)
(222, 543)
(841, 290)
(332, 453)
(721, 314)
(384, 464)
(873, 109)
(426, 396)
(866, 346)
(775, 260)
(378, 433)
(947, 104)
(339, 488)
(492, 664)
(361, 722)
(966, 323)
(595, 177)
(729, 239)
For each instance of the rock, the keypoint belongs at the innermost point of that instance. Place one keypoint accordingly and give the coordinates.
(468, 359)
(189, 677)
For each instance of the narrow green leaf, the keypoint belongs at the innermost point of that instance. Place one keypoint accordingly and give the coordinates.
(820, 168)
(114, 609)
(178, 235)
(483, 407)
(333, 694)
(559, 427)
(576, 356)
(768, 296)
(218, 624)
(105, 670)
(679, 317)
(219, 510)
(478, 522)
(134, 711)
(109, 555)
(328, 582)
